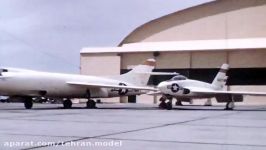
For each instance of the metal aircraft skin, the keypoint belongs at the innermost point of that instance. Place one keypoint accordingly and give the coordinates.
(26, 84)
(184, 89)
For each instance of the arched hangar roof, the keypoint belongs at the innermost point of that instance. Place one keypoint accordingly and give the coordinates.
(220, 19)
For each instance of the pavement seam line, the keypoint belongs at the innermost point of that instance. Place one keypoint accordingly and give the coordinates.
(135, 130)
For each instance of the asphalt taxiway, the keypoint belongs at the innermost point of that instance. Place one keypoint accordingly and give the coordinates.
(132, 126)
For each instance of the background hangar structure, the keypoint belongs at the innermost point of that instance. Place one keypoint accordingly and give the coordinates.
(193, 42)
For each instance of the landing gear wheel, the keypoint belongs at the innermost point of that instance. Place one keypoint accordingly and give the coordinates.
(169, 105)
(67, 104)
(230, 106)
(91, 104)
(28, 103)
(162, 105)
(178, 103)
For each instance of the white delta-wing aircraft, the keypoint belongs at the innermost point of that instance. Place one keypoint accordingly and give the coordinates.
(26, 84)
(184, 89)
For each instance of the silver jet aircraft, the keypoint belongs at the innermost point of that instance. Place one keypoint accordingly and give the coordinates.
(27, 84)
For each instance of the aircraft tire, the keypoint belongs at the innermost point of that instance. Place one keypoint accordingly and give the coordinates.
(67, 104)
(91, 104)
(230, 105)
(162, 105)
(169, 105)
(28, 103)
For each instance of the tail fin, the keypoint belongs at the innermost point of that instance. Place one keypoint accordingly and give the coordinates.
(138, 75)
(221, 78)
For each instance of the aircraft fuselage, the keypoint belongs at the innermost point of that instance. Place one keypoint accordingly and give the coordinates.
(55, 85)
(176, 88)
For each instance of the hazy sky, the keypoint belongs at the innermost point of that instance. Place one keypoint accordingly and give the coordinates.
(49, 34)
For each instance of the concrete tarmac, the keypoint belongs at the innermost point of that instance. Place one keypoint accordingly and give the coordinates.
(132, 126)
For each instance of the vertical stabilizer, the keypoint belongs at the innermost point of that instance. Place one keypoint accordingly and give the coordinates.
(221, 78)
(140, 74)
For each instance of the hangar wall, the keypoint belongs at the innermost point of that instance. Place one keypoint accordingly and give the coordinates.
(248, 59)
(248, 67)
(96, 64)
(178, 59)
(200, 59)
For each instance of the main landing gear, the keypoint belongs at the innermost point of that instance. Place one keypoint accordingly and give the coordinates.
(230, 105)
(91, 104)
(67, 104)
(28, 102)
(166, 105)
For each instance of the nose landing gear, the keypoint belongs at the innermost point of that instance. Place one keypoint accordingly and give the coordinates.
(166, 105)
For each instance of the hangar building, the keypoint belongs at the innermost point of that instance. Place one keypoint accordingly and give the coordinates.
(194, 42)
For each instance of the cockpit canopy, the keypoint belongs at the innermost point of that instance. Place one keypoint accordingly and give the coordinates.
(3, 70)
(178, 77)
